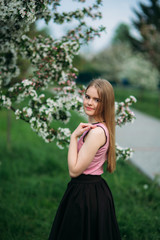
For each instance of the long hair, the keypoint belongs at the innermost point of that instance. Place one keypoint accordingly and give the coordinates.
(106, 110)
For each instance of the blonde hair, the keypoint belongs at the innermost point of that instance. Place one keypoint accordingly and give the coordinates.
(106, 110)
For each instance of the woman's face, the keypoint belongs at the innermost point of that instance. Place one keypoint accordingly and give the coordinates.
(91, 101)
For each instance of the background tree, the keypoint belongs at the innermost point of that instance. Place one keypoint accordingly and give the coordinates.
(140, 72)
(148, 26)
(109, 62)
(106, 64)
(87, 70)
(122, 34)
(122, 61)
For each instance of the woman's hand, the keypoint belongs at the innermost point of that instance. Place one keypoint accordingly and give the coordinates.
(82, 127)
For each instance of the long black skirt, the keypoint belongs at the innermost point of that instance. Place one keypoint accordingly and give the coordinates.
(86, 211)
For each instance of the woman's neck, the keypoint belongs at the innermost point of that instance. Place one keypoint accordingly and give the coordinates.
(94, 120)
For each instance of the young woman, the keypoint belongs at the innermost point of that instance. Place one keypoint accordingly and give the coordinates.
(87, 210)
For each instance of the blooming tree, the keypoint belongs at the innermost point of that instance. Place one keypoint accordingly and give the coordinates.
(52, 62)
(110, 60)
(120, 61)
(140, 72)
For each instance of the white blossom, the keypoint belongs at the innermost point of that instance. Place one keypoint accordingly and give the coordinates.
(42, 109)
(33, 119)
(133, 99)
(26, 82)
(62, 133)
(29, 112)
(41, 96)
(59, 145)
(17, 113)
(6, 102)
(50, 102)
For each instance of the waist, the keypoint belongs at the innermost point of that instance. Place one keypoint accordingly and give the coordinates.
(83, 178)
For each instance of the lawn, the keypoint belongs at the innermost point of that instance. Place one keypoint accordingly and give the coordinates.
(33, 178)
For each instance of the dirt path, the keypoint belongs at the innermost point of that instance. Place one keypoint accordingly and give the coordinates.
(143, 136)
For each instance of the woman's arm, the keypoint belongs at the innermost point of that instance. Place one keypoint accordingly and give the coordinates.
(78, 162)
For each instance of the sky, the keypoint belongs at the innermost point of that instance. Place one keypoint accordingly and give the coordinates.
(114, 12)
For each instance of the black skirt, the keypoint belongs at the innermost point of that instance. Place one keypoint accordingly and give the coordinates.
(86, 211)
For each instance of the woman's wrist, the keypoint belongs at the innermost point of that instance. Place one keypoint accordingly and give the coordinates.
(73, 135)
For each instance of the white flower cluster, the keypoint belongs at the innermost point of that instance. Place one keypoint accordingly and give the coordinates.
(18, 113)
(130, 100)
(42, 129)
(123, 112)
(123, 153)
(26, 82)
(24, 89)
(16, 16)
(63, 134)
(28, 111)
(5, 101)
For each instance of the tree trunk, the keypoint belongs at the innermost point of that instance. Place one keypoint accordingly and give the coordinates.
(9, 118)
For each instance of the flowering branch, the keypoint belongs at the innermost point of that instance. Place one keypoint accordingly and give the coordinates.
(52, 61)
(123, 112)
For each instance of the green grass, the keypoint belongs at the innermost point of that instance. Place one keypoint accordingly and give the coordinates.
(147, 101)
(33, 178)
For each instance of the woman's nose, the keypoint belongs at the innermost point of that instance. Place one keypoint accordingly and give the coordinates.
(90, 101)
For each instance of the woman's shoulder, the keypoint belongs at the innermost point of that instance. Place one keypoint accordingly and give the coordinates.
(95, 137)
(103, 127)
(97, 132)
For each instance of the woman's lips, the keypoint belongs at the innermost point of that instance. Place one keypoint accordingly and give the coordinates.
(88, 108)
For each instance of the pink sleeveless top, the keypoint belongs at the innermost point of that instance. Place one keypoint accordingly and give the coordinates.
(96, 166)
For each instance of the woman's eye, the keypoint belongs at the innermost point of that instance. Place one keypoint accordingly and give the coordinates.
(97, 100)
(86, 96)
